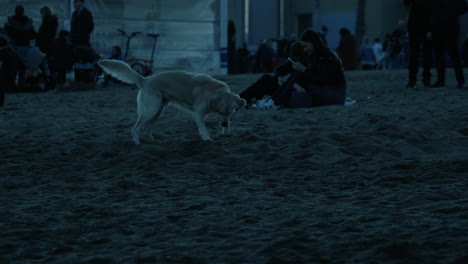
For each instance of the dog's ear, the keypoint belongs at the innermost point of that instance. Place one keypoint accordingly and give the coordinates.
(240, 102)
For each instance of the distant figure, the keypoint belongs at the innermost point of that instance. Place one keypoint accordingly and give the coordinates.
(62, 57)
(446, 35)
(366, 56)
(82, 24)
(379, 54)
(10, 63)
(47, 30)
(116, 53)
(419, 34)
(323, 34)
(347, 50)
(20, 28)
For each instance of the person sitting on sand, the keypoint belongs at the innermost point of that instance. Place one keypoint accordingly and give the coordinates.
(322, 77)
(268, 84)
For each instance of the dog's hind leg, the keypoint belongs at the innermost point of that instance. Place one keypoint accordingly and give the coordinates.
(147, 130)
(149, 109)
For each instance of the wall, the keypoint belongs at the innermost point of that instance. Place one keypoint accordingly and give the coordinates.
(189, 36)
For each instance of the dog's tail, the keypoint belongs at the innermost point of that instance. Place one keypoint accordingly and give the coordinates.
(122, 71)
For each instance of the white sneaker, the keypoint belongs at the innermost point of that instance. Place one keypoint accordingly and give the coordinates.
(270, 104)
(260, 104)
(349, 101)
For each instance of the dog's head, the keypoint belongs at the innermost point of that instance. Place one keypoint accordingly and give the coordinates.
(224, 105)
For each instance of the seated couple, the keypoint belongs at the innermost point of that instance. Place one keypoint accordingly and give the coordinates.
(316, 78)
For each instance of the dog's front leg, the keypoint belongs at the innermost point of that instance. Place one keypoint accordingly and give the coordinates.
(202, 128)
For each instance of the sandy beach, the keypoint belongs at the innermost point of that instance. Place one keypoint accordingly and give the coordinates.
(382, 181)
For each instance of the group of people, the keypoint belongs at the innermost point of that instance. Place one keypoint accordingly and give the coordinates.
(312, 76)
(53, 53)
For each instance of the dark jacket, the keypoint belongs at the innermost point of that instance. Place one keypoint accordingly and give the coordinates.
(419, 17)
(82, 25)
(326, 70)
(62, 55)
(20, 30)
(348, 51)
(445, 15)
(47, 32)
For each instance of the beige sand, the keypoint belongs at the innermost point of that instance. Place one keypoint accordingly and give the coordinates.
(381, 181)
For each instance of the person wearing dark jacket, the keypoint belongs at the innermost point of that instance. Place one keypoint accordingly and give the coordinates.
(445, 27)
(9, 63)
(20, 28)
(62, 56)
(320, 77)
(419, 33)
(348, 50)
(47, 30)
(82, 24)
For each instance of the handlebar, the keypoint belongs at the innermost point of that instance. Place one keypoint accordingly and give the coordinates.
(125, 33)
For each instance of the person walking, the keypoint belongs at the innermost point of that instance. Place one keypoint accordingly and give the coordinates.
(446, 37)
(419, 34)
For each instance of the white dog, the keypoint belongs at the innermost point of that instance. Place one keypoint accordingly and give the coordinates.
(199, 94)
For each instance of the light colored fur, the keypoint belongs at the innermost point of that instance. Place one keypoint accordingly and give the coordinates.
(199, 94)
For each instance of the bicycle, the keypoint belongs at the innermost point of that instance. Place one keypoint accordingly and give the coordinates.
(142, 66)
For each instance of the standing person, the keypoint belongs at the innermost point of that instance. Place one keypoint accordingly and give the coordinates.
(21, 31)
(82, 24)
(20, 28)
(3, 82)
(47, 30)
(348, 50)
(419, 33)
(379, 54)
(366, 56)
(62, 57)
(446, 37)
(9, 62)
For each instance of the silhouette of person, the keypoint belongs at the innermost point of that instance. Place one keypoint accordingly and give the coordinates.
(446, 35)
(419, 34)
